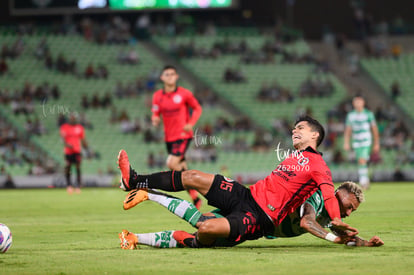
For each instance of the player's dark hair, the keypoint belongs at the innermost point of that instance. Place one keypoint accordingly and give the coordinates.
(315, 126)
(167, 67)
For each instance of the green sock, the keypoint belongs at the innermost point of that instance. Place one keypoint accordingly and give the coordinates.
(163, 239)
(363, 174)
(181, 208)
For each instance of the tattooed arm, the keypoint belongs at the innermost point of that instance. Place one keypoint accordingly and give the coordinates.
(309, 223)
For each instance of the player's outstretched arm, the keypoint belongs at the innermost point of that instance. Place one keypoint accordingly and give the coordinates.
(358, 241)
(309, 223)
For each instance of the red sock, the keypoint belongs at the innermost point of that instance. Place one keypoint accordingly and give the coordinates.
(193, 194)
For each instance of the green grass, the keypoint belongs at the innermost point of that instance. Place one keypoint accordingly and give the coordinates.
(54, 233)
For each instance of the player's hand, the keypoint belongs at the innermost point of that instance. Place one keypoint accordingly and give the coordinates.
(337, 223)
(155, 121)
(89, 154)
(342, 239)
(376, 148)
(375, 241)
(188, 127)
(347, 147)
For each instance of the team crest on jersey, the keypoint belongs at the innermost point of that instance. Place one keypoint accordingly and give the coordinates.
(177, 99)
(303, 161)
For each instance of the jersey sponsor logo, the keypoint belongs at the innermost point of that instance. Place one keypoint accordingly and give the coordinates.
(177, 99)
(303, 161)
(278, 173)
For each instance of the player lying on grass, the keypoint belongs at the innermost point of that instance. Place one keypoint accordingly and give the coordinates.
(310, 217)
(251, 213)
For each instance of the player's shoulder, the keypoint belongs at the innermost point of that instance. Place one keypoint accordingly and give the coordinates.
(311, 154)
(184, 91)
(351, 113)
(369, 112)
(158, 92)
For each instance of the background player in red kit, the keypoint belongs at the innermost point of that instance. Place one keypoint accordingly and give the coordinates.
(73, 136)
(255, 212)
(173, 103)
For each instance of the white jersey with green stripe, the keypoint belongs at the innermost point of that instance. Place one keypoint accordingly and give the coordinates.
(290, 226)
(360, 123)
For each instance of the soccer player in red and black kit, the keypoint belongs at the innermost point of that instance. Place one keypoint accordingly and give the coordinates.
(250, 213)
(173, 103)
(73, 136)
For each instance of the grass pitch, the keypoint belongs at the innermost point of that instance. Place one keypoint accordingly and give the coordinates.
(57, 233)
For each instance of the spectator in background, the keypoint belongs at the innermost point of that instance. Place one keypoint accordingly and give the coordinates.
(114, 117)
(4, 51)
(132, 57)
(338, 158)
(89, 71)
(102, 72)
(119, 90)
(35, 127)
(55, 92)
(106, 100)
(95, 101)
(85, 122)
(151, 160)
(61, 63)
(233, 75)
(62, 119)
(48, 61)
(85, 102)
(395, 90)
(42, 49)
(396, 50)
(3, 67)
(9, 183)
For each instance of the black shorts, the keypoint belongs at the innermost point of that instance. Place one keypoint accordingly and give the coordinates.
(73, 158)
(247, 220)
(178, 147)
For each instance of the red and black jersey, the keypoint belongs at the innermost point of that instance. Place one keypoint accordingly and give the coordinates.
(72, 135)
(175, 112)
(293, 181)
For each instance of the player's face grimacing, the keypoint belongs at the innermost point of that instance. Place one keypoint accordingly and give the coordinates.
(348, 203)
(303, 136)
(169, 77)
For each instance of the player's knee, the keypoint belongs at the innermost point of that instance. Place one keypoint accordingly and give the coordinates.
(215, 227)
(207, 227)
(190, 176)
